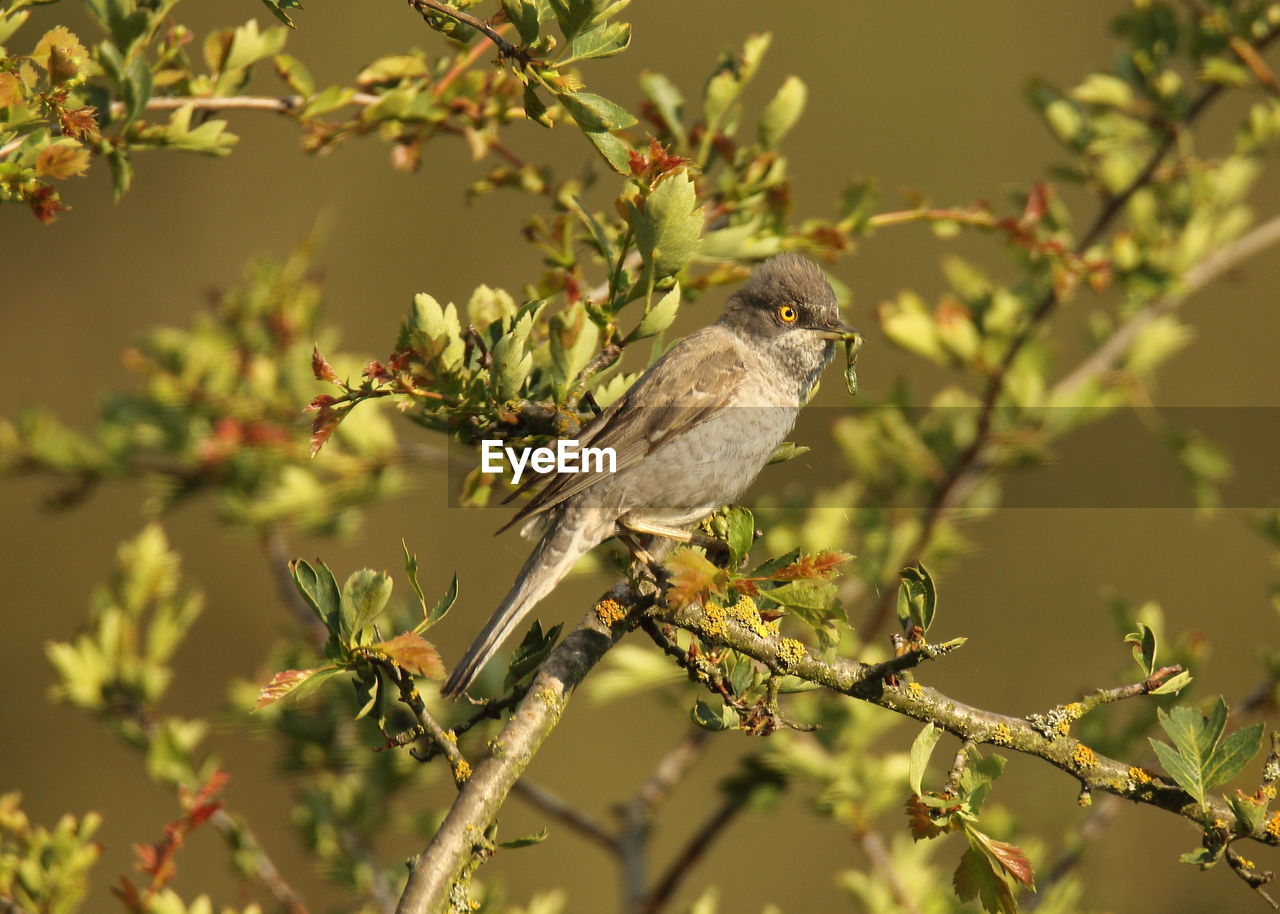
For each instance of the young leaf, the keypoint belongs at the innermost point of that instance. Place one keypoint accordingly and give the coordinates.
(526, 841)
(444, 604)
(713, 715)
(693, 577)
(660, 316)
(364, 596)
(410, 651)
(288, 682)
(741, 533)
(669, 227)
(1144, 648)
(921, 750)
(917, 597)
(530, 653)
(320, 591)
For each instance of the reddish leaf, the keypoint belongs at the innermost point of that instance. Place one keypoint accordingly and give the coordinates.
(325, 424)
(282, 684)
(693, 578)
(1008, 857)
(920, 820)
(321, 368)
(822, 565)
(1037, 204)
(46, 203)
(415, 654)
(79, 123)
(975, 878)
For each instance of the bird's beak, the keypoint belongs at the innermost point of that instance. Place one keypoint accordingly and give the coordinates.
(838, 331)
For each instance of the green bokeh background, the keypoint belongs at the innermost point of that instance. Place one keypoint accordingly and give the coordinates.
(919, 94)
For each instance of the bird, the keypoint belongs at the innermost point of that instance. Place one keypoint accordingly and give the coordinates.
(690, 435)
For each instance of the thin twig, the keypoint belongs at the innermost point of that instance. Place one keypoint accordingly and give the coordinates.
(637, 814)
(878, 855)
(1108, 355)
(687, 857)
(427, 7)
(582, 822)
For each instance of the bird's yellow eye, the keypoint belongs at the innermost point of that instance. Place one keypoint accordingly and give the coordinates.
(787, 314)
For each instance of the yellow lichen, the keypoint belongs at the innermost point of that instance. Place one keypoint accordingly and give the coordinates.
(1269, 792)
(461, 770)
(746, 613)
(549, 696)
(451, 736)
(915, 688)
(790, 652)
(1083, 756)
(1002, 734)
(1246, 863)
(1138, 775)
(1272, 827)
(1074, 710)
(610, 612)
(716, 625)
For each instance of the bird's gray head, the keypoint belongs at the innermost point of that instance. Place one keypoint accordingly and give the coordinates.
(787, 308)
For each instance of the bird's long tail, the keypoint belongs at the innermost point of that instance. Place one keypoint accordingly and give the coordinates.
(556, 553)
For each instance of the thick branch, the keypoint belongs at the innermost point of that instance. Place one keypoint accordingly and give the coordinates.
(1095, 772)
(461, 837)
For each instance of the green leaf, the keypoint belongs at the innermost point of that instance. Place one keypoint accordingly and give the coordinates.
(788, 450)
(319, 589)
(1183, 770)
(278, 8)
(294, 74)
(573, 15)
(364, 596)
(328, 100)
(713, 715)
(921, 750)
(659, 317)
(852, 346)
(1175, 685)
(594, 113)
(917, 597)
(741, 533)
(534, 109)
(530, 653)
(523, 14)
(783, 110)
(615, 152)
(669, 226)
(1200, 759)
(604, 40)
(665, 97)
(526, 841)
(1144, 648)
(411, 572)
(1231, 755)
(444, 604)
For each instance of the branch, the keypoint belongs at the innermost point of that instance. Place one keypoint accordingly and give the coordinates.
(1108, 355)
(692, 851)
(583, 823)
(1094, 771)
(460, 843)
(428, 7)
(965, 463)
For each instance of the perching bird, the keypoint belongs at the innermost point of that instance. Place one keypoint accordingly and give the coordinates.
(690, 435)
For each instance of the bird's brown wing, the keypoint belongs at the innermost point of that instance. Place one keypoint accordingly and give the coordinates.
(697, 377)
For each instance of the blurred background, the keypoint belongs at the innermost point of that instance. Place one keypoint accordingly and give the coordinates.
(921, 95)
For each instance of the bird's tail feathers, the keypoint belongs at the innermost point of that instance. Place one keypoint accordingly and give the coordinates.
(552, 558)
